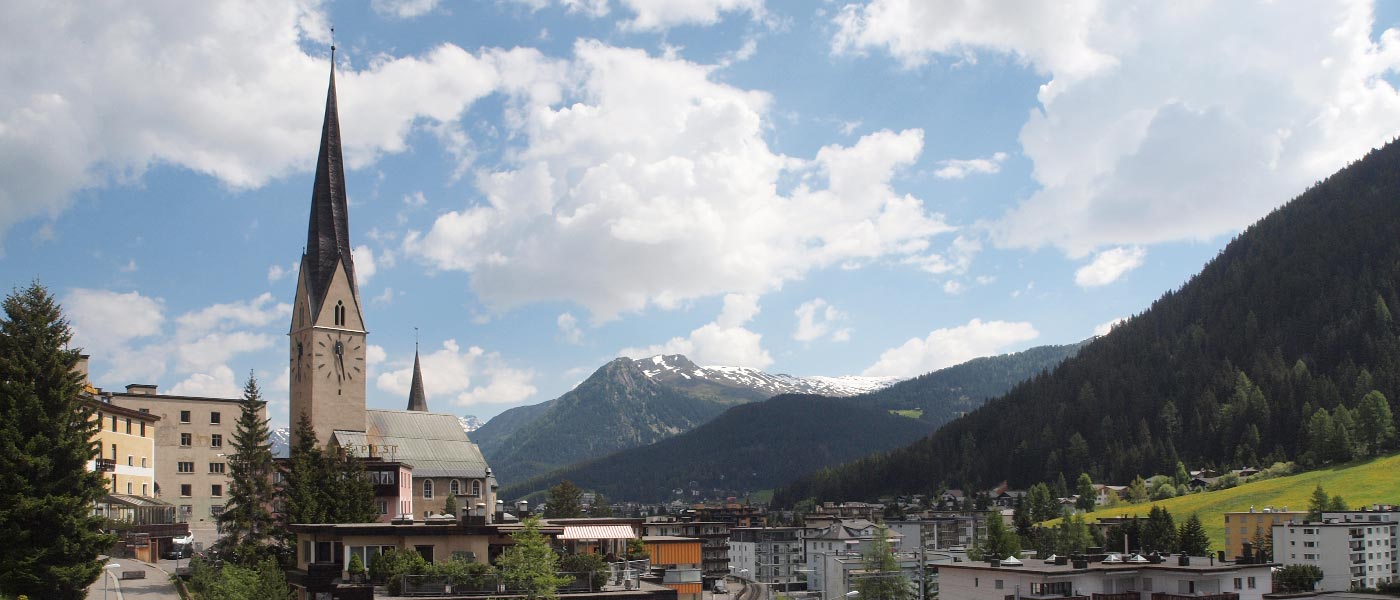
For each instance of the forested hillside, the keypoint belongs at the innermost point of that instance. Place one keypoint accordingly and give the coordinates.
(948, 393)
(750, 447)
(1271, 352)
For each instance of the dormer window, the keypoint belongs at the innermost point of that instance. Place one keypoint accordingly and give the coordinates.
(340, 313)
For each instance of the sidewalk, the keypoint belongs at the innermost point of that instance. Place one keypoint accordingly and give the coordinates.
(156, 585)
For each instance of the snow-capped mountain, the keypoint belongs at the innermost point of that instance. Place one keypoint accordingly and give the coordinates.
(281, 439)
(469, 423)
(673, 367)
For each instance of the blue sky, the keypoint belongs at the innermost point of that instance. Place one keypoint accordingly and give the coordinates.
(816, 188)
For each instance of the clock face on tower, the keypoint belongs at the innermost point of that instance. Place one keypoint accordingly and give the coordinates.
(338, 356)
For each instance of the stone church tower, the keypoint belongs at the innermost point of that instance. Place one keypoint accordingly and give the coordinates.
(327, 336)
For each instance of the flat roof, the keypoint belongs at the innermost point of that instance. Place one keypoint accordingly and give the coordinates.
(1199, 564)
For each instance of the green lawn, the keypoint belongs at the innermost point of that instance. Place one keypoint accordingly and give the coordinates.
(912, 413)
(1375, 481)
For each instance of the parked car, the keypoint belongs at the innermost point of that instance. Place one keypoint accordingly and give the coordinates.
(720, 588)
(178, 551)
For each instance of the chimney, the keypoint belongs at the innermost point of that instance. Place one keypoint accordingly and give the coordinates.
(81, 367)
(141, 389)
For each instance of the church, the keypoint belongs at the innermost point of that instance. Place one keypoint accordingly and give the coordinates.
(417, 458)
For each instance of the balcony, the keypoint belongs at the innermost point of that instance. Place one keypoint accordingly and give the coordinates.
(106, 465)
(1216, 596)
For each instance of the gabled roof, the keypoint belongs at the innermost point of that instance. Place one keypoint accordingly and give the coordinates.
(328, 231)
(433, 443)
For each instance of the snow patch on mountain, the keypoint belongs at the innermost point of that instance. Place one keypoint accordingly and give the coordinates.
(281, 440)
(673, 366)
(470, 423)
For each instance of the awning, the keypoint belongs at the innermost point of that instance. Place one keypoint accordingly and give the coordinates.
(598, 532)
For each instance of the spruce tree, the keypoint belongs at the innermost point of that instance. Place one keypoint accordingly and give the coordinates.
(1087, 497)
(302, 477)
(529, 565)
(51, 538)
(450, 507)
(1317, 503)
(1192, 538)
(247, 521)
(350, 495)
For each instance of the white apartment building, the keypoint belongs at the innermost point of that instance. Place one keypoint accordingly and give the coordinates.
(1198, 577)
(1353, 548)
(825, 547)
(771, 555)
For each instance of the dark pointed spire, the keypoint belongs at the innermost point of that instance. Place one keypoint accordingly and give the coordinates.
(328, 233)
(416, 400)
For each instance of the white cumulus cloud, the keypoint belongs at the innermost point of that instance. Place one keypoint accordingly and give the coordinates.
(461, 377)
(951, 346)
(656, 165)
(724, 341)
(960, 168)
(568, 328)
(1109, 265)
(1162, 121)
(1104, 328)
(403, 9)
(365, 268)
(816, 319)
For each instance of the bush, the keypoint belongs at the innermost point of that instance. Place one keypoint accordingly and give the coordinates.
(357, 566)
(586, 563)
(463, 572)
(394, 564)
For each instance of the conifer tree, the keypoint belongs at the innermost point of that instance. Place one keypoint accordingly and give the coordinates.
(1192, 538)
(529, 565)
(1160, 534)
(1085, 489)
(247, 521)
(50, 536)
(1317, 503)
(1377, 422)
(302, 476)
(564, 501)
(350, 495)
(450, 507)
(884, 580)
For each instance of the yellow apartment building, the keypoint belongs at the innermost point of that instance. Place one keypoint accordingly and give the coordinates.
(127, 438)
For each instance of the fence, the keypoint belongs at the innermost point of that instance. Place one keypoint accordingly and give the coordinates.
(485, 585)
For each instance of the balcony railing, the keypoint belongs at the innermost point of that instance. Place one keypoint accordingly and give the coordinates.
(106, 465)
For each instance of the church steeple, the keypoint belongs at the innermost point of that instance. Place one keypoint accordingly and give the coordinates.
(328, 234)
(416, 400)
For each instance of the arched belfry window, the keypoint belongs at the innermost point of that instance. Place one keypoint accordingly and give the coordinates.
(340, 312)
(427, 488)
(456, 487)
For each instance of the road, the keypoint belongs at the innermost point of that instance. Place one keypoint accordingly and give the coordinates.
(155, 586)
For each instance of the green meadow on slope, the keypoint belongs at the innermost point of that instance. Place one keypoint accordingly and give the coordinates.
(1375, 481)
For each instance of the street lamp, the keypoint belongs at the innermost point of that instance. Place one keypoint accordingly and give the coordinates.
(105, 578)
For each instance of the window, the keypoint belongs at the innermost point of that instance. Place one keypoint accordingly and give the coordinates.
(216, 490)
(143, 429)
(476, 488)
(215, 418)
(216, 468)
(1251, 583)
(427, 488)
(143, 462)
(146, 490)
(383, 507)
(455, 487)
(216, 510)
(184, 416)
(216, 441)
(184, 515)
(128, 425)
(130, 460)
(186, 490)
(1239, 583)
(339, 312)
(128, 488)
(998, 584)
(186, 440)
(114, 453)
(184, 467)
(114, 423)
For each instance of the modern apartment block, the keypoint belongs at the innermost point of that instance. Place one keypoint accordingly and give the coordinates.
(713, 535)
(1246, 526)
(192, 444)
(1353, 548)
(771, 555)
(1106, 577)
